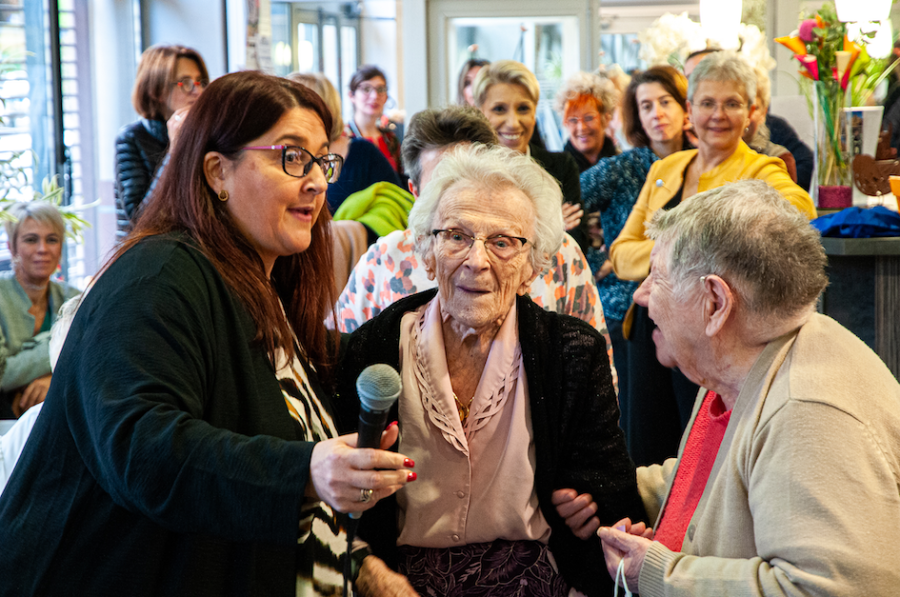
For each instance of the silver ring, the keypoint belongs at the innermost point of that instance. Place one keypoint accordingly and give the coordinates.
(365, 495)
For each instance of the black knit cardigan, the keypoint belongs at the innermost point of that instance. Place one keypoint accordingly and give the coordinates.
(574, 416)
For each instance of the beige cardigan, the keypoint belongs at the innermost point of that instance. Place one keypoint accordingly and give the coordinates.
(804, 496)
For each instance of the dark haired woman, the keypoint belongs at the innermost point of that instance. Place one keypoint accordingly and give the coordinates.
(169, 80)
(368, 94)
(654, 113)
(187, 445)
(464, 87)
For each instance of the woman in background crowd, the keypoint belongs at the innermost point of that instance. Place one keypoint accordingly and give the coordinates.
(756, 136)
(467, 74)
(721, 93)
(169, 80)
(368, 94)
(29, 303)
(363, 165)
(654, 111)
(187, 446)
(507, 93)
(586, 103)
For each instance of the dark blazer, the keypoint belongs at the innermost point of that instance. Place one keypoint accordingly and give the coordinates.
(561, 166)
(140, 149)
(164, 461)
(574, 416)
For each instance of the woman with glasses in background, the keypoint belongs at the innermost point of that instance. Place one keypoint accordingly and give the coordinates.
(721, 96)
(368, 94)
(169, 80)
(502, 401)
(586, 103)
(187, 445)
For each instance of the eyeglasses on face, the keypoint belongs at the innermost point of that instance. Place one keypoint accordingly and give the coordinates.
(366, 89)
(730, 107)
(456, 243)
(189, 85)
(587, 119)
(297, 161)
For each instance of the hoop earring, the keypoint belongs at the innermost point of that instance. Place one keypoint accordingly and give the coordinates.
(223, 195)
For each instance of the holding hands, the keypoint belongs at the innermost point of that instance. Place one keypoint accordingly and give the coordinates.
(353, 480)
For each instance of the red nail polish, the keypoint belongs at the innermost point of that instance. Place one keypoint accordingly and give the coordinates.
(408, 463)
(411, 476)
(394, 424)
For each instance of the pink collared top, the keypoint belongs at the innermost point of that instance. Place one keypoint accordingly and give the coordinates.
(476, 482)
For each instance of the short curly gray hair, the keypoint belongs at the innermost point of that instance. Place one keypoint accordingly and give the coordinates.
(724, 67)
(493, 168)
(580, 84)
(749, 235)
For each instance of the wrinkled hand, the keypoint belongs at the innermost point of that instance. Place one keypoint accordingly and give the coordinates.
(34, 393)
(338, 471)
(173, 125)
(376, 579)
(629, 542)
(578, 511)
(572, 214)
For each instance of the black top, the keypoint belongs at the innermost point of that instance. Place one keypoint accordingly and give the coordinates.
(782, 133)
(562, 167)
(609, 150)
(364, 166)
(574, 417)
(160, 464)
(140, 149)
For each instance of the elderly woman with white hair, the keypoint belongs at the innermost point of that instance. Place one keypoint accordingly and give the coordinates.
(786, 482)
(721, 96)
(29, 301)
(502, 402)
(586, 103)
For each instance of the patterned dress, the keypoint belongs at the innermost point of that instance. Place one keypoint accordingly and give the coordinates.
(322, 539)
(611, 187)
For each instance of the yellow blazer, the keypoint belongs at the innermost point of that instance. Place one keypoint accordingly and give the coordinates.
(630, 253)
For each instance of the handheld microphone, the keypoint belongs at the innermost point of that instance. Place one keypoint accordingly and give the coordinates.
(378, 387)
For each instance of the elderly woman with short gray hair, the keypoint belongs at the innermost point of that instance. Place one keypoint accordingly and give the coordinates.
(786, 480)
(502, 402)
(29, 301)
(721, 96)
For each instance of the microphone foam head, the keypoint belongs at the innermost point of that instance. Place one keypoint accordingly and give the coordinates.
(378, 387)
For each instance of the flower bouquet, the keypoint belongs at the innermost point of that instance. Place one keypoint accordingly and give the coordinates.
(831, 63)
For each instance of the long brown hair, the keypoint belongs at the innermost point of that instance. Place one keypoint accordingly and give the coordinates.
(233, 111)
(670, 79)
(155, 75)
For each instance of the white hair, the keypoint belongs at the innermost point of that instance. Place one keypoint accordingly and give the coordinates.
(724, 67)
(492, 168)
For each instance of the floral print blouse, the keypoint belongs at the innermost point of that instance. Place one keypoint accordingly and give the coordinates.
(612, 186)
(390, 270)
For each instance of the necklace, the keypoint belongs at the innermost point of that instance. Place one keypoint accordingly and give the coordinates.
(462, 408)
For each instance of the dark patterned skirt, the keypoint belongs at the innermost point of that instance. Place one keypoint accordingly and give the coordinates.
(500, 569)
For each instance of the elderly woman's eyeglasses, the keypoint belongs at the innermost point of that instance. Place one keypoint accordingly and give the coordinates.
(730, 107)
(457, 243)
(189, 85)
(297, 161)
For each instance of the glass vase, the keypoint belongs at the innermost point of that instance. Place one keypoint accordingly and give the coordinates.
(833, 176)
